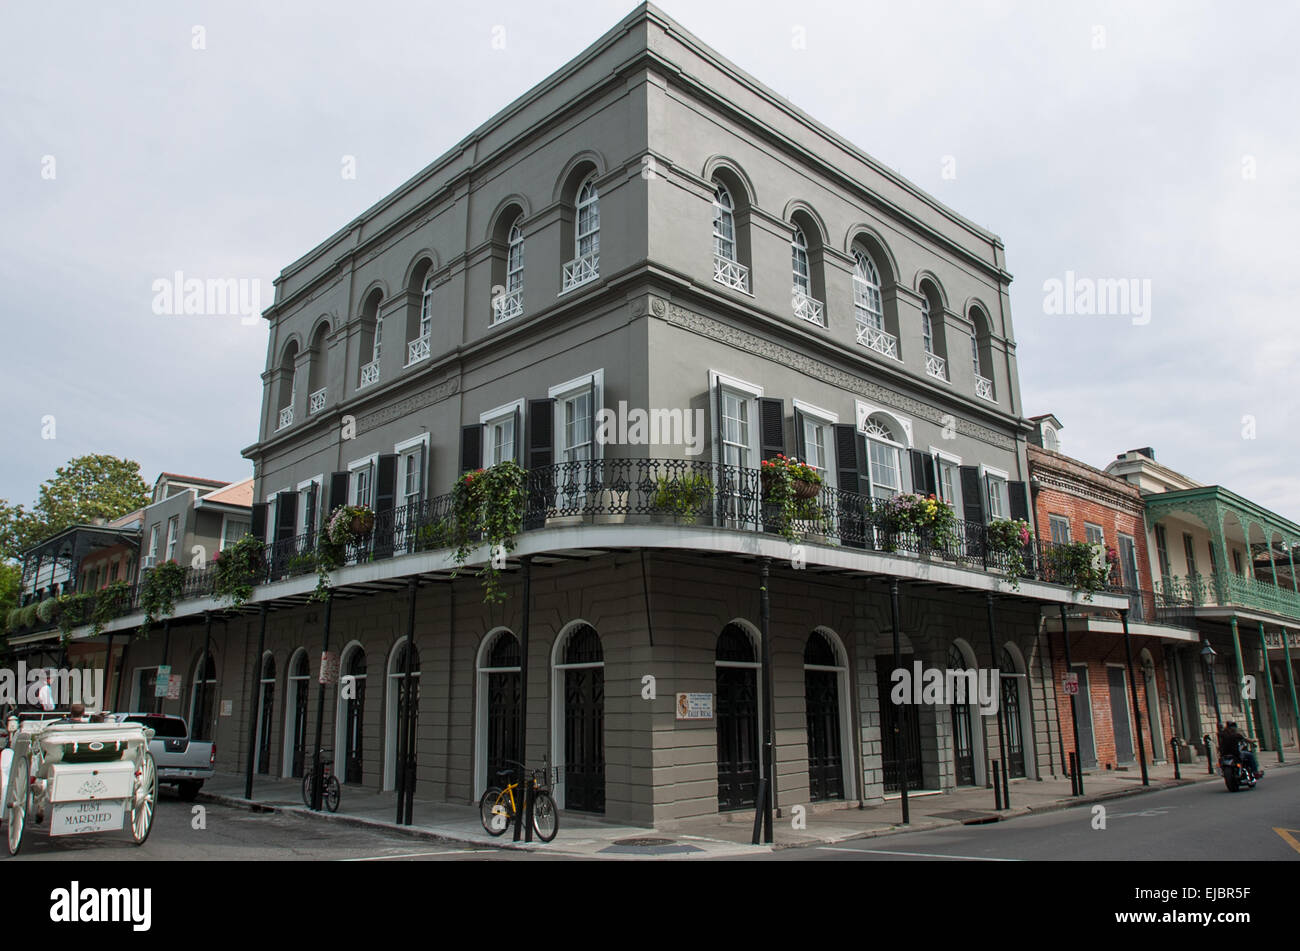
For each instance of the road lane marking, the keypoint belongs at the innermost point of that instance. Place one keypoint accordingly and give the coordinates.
(414, 855)
(1290, 839)
(923, 855)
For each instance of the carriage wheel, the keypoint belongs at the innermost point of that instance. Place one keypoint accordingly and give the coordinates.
(18, 796)
(146, 797)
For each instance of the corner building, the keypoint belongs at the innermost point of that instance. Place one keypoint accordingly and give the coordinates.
(649, 228)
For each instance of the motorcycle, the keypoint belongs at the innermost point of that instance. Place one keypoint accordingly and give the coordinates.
(1236, 774)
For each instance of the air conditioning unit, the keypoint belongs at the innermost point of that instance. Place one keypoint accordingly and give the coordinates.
(149, 561)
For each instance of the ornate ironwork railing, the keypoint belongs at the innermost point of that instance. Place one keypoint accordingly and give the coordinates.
(1223, 589)
(417, 350)
(507, 306)
(370, 373)
(810, 309)
(874, 338)
(579, 271)
(316, 401)
(936, 366)
(730, 273)
(984, 388)
(286, 417)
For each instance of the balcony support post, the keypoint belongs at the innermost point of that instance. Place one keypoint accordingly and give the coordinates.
(317, 771)
(254, 705)
(525, 606)
(1272, 697)
(1002, 733)
(1133, 689)
(1290, 681)
(1074, 710)
(900, 717)
(1241, 680)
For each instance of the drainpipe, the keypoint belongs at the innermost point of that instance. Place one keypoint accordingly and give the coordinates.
(1241, 680)
(203, 667)
(1002, 733)
(900, 720)
(1133, 689)
(108, 664)
(1272, 698)
(317, 772)
(254, 706)
(1074, 708)
(1290, 680)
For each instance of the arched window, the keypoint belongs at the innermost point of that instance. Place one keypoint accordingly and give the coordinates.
(827, 718)
(318, 370)
(1012, 680)
(981, 355)
(586, 238)
(884, 454)
(736, 715)
(868, 308)
(202, 699)
(418, 348)
(933, 335)
(578, 718)
(349, 716)
(496, 734)
(403, 703)
(927, 329)
(727, 268)
(372, 335)
(963, 736)
(288, 386)
(799, 263)
(296, 700)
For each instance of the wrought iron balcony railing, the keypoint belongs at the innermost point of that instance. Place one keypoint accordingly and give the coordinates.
(730, 273)
(286, 417)
(936, 366)
(810, 309)
(874, 338)
(370, 373)
(316, 402)
(1223, 589)
(580, 271)
(507, 306)
(417, 350)
(984, 388)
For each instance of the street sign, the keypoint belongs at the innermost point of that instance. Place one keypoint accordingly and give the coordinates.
(329, 667)
(160, 684)
(1071, 683)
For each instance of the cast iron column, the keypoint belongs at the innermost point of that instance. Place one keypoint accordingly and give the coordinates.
(900, 718)
(1074, 709)
(1272, 697)
(1002, 733)
(404, 734)
(255, 705)
(203, 670)
(1290, 680)
(1133, 689)
(522, 818)
(317, 778)
(769, 749)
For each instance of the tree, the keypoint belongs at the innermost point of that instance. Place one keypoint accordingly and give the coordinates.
(88, 487)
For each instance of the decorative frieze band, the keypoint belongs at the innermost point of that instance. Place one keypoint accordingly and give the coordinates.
(751, 343)
(417, 401)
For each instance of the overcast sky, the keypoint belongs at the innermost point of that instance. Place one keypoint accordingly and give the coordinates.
(1148, 141)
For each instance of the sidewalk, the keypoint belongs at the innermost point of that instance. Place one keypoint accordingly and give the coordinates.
(726, 835)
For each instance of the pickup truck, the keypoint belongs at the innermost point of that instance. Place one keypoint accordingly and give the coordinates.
(181, 761)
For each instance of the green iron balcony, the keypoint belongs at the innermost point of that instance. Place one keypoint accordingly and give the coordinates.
(1221, 589)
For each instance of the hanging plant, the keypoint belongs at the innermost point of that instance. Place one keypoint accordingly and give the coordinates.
(684, 496)
(791, 488)
(74, 611)
(1084, 566)
(926, 516)
(237, 569)
(1007, 540)
(161, 589)
(48, 610)
(347, 525)
(488, 505)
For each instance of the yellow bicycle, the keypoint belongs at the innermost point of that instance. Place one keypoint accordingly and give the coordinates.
(501, 805)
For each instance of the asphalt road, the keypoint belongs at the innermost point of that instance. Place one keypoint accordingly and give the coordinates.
(1203, 822)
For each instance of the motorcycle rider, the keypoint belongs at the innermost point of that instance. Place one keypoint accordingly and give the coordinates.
(1232, 743)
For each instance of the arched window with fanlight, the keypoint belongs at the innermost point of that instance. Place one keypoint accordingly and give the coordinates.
(496, 728)
(981, 355)
(884, 454)
(727, 267)
(578, 718)
(585, 265)
(868, 307)
(932, 336)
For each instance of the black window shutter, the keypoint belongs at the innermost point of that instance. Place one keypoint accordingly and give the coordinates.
(519, 437)
(386, 482)
(338, 490)
(771, 423)
(850, 460)
(541, 433)
(1018, 499)
(259, 520)
(923, 482)
(286, 515)
(972, 494)
(309, 516)
(471, 447)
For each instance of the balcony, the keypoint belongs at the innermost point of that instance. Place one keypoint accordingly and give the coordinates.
(878, 340)
(507, 306)
(286, 418)
(370, 373)
(936, 366)
(316, 401)
(417, 350)
(1223, 589)
(984, 388)
(809, 309)
(731, 274)
(580, 271)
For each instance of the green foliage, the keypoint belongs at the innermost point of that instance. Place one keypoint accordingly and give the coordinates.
(237, 569)
(439, 534)
(302, 563)
(11, 582)
(684, 496)
(1082, 565)
(47, 610)
(780, 492)
(159, 592)
(27, 616)
(14, 619)
(1007, 539)
(346, 525)
(74, 611)
(111, 601)
(88, 487)
(488, 505)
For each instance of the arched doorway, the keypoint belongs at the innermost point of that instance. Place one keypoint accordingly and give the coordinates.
(499, 682)
(403, 702)
(824, 671)
(295, 733)
(1012, 678)
(203, 698)
(736, 712)
(963, 729)
(578, 718)
(1153, 706)
(349, 715)
(900, 752)
(265, 714)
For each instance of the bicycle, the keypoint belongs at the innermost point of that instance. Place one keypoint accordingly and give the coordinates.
(498, 807)
(330, 789)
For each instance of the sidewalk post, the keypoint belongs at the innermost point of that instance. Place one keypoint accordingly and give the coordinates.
(900, 721)
(255, 706)
(769, 744)
(317, 768)
(527, 568)
(1074, 709)
(1290, 680)
(1133, 689)
(1002, 733)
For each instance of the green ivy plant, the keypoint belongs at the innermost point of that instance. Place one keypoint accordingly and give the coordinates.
(74, 611)
(1084, 566)
(439, 534)
(48, 610)
(346, 525)
(778, 477)
(237, 569)
(1007, 539)
(683, 496)
(488, 505)
(159, 591)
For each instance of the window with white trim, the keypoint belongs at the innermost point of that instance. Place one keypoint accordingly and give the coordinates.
(927, 328)
(799, 263)
(949, 480)
(1059, 526)
(499, 439)
(233, 529)
(883, 453)
(1096, 534)
(153, 541)
(997, 495)
(361, 479)
(426, 307)
(866, 291)
(576, 416)
(736, 428)
(412, 482)
(724, 223)
(515, 257)
(587, 234)
(173, 530)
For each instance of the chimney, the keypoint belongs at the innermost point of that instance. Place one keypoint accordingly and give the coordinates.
(1144, 451)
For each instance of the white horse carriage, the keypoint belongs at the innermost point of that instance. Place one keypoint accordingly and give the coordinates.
(77, 777)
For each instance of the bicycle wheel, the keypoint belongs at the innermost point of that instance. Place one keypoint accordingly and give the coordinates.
(546, 817)
(306, 789)
(494, 810)
(332, 793)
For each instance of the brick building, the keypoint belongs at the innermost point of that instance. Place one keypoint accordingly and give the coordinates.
(1074, 502)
